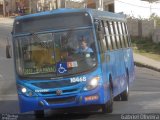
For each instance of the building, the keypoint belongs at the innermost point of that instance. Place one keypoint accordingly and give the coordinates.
(1, 7)
(44, 5)
(107, 5)
(7, 7)
(33, 6)
(21, 7)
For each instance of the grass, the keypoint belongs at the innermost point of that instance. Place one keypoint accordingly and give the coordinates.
(146, 48)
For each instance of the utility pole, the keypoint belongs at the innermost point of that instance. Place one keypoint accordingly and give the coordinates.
(100, 5)
(85, 3)
(4, 8)
(63, 3)
(150, 9)
(56, 4)
(30, 6)
(150, 3)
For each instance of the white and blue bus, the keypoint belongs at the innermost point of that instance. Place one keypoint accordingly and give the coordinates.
(69, 58)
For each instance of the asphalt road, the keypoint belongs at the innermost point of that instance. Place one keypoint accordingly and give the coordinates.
(144, 93)
(7, 82)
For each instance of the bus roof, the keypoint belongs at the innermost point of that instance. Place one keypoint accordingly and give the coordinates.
(93, 12)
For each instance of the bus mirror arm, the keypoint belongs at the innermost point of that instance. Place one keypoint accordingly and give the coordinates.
(96, 27)
(101, 34)
(8, 49)
(99, 30)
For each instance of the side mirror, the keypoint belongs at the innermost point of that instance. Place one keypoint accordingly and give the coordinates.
(8, 50)
(101, 35)
(99, 29)
(97, 26)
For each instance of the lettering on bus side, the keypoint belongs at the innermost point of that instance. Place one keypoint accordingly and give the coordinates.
(78, 79)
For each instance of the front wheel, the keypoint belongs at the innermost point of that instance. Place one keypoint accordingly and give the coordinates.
(39, 113)
(108, 107)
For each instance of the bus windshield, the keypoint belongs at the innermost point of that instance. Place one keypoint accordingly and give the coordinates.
(55, 54)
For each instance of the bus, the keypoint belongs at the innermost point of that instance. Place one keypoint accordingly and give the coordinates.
(51, 69)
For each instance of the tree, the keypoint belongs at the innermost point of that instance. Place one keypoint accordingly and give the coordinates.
(156, 18)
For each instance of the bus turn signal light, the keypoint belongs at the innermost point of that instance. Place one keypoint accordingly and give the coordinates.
(91, 98)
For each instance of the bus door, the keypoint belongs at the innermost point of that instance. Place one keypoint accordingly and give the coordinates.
(128, 53)
(107, 55)
(115, 33)
(105, 64)
(113, 54)
(125, 53)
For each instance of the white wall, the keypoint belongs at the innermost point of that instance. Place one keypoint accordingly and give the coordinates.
(136, 8)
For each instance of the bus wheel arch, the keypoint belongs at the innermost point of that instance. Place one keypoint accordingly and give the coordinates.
(108, 106)
(125, 94)
(127, 75)
(39, 113)
(111, 82)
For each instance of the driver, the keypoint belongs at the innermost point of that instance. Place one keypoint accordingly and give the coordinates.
(84, 47)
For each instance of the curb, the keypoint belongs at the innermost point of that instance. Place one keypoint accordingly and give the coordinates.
(8, 97)
(11, 17)
(139, 64)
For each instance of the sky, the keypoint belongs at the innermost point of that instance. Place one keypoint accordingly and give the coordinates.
(137, 8)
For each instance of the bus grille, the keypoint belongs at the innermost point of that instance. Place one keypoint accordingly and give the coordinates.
(67, 91)
(55, 84)
(61, 100)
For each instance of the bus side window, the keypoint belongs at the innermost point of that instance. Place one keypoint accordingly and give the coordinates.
(117, 35)
(102, 38)
(128, 37)
(124, 35)
(113, 41)
(121, 35)
(108, 35)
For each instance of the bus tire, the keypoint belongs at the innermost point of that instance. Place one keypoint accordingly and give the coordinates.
(108, 107)
(39, 113)
(117, 98)
(125, 94)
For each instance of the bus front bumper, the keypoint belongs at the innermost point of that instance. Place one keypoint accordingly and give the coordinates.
(93, 97)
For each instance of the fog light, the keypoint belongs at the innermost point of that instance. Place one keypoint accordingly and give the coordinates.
(30, 93)
(91, 98)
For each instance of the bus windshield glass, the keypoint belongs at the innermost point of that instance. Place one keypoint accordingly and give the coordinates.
(55, 54)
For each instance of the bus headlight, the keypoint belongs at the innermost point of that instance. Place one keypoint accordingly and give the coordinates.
(23, 90)
(93, 83)
(26, 91)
